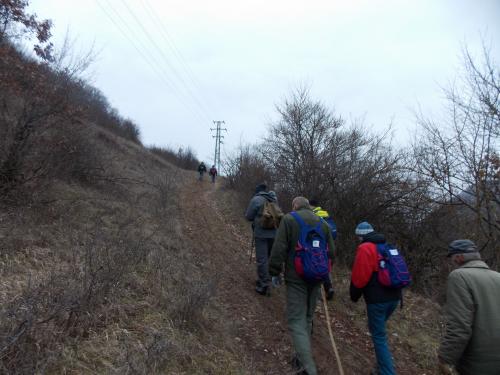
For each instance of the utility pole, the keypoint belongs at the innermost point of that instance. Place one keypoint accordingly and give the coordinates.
(218, 141)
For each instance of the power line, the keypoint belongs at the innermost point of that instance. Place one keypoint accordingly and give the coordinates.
(172, 46)
(146, 55)
(165, 58)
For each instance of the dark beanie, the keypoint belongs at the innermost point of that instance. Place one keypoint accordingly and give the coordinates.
(260, 187)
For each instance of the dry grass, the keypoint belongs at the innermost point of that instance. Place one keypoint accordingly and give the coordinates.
(97, 278)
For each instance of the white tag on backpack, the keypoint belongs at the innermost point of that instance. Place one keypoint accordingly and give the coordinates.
(394, 251)
(315, 243)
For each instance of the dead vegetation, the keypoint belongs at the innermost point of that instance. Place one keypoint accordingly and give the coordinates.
(99, 279)
(95, 275)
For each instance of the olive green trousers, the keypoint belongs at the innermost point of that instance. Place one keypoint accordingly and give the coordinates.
(301, 299)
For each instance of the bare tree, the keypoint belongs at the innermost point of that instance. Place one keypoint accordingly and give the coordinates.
(459, 157)
(312, 152)
(297, 147)
(245, 169)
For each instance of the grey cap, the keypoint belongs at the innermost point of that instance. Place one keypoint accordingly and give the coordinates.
(461, 247)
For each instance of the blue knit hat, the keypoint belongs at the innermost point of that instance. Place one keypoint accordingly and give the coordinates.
(363, 229)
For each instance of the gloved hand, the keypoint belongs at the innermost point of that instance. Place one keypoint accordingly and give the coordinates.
(276, 281)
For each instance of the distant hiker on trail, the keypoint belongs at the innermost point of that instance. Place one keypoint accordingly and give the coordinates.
(301, 231)
(213, 172)
(327, 285)
(264, 226)
(201, 169)
(471, 342)
(380, 301)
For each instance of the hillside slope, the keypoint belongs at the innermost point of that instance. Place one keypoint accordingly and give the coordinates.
(97, 278)
(146, 270)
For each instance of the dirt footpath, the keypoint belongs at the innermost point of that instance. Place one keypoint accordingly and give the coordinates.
(222, 241)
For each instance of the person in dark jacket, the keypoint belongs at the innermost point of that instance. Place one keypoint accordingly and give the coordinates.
(263, 237)
(380, 301)
(471, 342)
(213, 173)
(202, 168)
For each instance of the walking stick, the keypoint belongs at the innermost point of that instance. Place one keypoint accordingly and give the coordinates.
(251, 249)
(327, 316)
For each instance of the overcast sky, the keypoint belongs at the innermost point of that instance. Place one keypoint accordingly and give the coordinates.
(173, 66)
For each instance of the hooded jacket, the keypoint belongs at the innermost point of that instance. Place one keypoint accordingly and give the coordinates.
(329, 220)
(472, 338)
(254, 213)
(202, 167)
(364, 281)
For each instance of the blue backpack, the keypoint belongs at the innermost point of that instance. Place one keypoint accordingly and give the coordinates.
(392, 269)
(332, 225)
(311, 252)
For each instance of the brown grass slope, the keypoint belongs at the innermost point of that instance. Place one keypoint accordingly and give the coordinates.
(97, 278)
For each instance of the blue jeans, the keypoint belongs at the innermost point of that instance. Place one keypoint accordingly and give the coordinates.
(378, 313)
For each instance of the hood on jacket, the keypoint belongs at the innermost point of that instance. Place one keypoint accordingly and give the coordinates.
(374, 237)
(269, 195)
(320, 212)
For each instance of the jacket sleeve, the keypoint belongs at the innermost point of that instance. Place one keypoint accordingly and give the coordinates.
(279, 252)
(459, 313)
(362, 271)
(252, 209)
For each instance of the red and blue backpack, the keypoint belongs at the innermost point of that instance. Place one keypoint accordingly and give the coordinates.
(392, 269)
(311, 252)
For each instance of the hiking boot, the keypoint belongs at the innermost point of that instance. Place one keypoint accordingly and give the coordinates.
(297, 366)
(330, 293)
(262, 290)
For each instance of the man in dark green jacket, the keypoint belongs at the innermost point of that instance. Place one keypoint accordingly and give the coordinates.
(471, 342)
(301, 297)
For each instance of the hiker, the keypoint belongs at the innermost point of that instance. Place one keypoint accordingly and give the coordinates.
(327, 285)
(213, 172)
(471, 342)
(301, 294)
(380, 301)
(263, 237)
(201, 169)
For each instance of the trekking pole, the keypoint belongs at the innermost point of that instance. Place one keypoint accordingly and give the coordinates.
(251, 250)
(327, 316)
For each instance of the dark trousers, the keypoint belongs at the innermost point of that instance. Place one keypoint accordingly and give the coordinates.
(263, 248)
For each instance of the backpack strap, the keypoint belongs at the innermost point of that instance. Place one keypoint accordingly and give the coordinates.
(381, 249)
(304, 228)
(297, 217)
